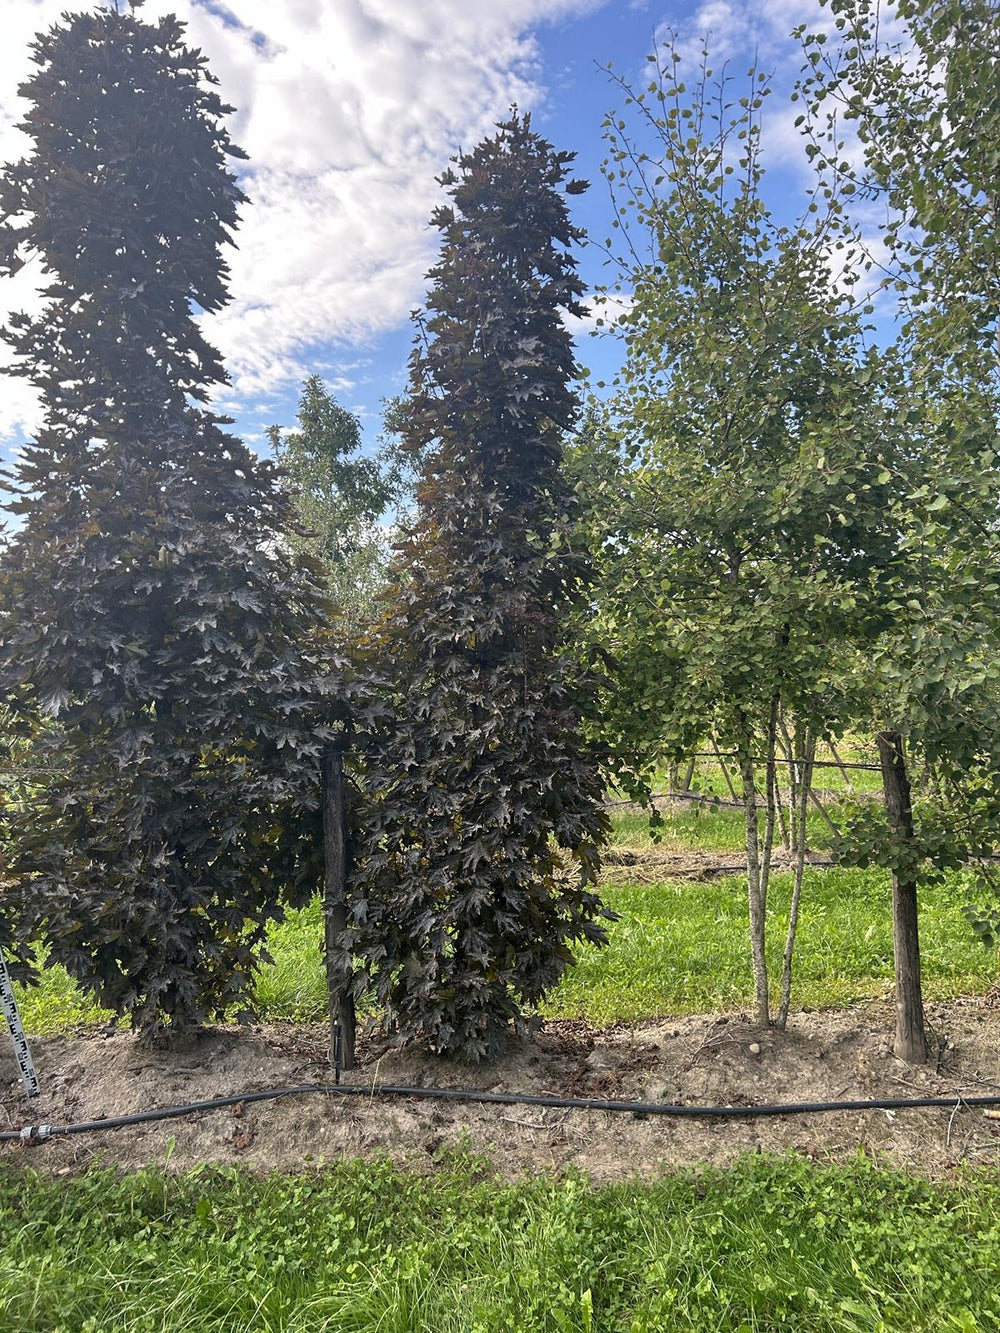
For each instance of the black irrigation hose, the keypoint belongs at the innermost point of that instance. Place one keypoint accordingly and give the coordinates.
(36, 1133)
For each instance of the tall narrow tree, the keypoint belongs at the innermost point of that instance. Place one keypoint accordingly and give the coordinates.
(147, 608)
(480, 843)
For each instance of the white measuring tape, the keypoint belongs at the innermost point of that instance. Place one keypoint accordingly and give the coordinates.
(25, 1064)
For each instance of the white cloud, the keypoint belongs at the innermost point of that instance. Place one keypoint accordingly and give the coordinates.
(348, 109)
(740, 27)
(606, 307)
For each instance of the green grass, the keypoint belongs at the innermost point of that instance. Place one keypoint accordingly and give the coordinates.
(771, 1244)
(682, 948)
(56, 1004)
(702, 827)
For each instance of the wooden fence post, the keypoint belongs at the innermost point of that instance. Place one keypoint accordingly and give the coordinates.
(339, 963)
(911, 1041)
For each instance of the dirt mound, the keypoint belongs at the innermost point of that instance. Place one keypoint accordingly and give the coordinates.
(709, 1059)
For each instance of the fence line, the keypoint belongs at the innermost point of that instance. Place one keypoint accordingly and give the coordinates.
(761, 759)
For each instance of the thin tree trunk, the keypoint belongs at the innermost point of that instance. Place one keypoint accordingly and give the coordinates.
(848, 784)
(755, 898)
(688, 776)
(824, 812)
(805, 783)
(339, 964)
(788, 753)
(784, 832)
(773, 798)
(911, 1041)
(725, 770)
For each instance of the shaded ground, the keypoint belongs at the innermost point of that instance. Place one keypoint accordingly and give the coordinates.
(705, 1059)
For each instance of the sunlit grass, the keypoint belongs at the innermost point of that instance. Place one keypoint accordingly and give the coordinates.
(707, 828)
(770, 1244)
(679, 947)
(682, 947)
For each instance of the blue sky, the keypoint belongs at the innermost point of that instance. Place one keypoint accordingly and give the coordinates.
(348, 109)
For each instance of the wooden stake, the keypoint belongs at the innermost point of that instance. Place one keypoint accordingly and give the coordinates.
(911, 1041)
(339, 964)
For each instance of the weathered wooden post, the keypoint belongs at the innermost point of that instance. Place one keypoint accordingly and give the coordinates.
(911, 1041)
(339, 963)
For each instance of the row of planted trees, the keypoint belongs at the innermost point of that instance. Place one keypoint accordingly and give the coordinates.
(772, 534)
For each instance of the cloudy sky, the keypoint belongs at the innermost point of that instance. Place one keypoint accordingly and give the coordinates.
(348, 109)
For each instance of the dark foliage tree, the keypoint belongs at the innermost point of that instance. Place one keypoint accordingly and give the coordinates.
(148, 609)
(480, 842)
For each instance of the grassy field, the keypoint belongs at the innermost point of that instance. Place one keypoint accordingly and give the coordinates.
(679, 946)
(771, 1244)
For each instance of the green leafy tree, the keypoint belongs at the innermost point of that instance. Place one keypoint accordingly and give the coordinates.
(479, 845)
(923, 106)
(148, 611)
(341, 494)
(733, 501)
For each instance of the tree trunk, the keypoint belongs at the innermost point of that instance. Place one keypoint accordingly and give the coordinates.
(725, 770)
(805, 784)
(773, 797)
(911, 1042)
(339, 964)
(755, 888)
(848, 784)
(788, 754)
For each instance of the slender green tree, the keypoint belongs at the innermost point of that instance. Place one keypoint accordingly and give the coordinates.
(479, 846)
(916, 83)
(733, 501)
(341, 494)
(148, 610)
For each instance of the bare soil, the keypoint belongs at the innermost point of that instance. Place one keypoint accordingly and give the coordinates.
(652, 865)
(706, 1059)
